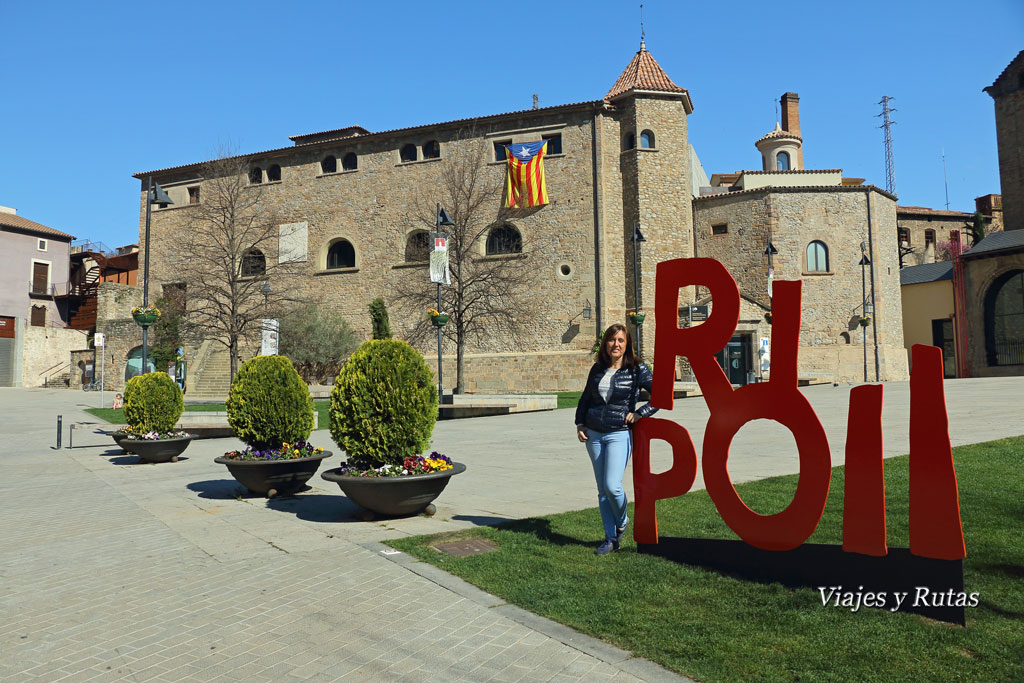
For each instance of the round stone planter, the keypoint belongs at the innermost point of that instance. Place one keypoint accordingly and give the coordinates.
(157, 450)
(394, 496)
(119, 439)
(273, 477)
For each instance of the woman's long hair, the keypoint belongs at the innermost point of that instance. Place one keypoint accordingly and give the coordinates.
(629, 359)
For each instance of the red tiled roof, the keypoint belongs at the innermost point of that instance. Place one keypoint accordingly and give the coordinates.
(644, 73)
(799, 188)
(924, 209)
(20, 224)
(778, 133)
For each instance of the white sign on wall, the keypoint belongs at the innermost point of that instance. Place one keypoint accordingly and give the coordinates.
(99, 339)
(292, 242)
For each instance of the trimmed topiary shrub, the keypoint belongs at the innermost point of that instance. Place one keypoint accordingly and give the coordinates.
(152, 403)
(269, 404)
(379, 318)
(383, 405)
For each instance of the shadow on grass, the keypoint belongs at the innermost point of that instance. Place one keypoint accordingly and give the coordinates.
(541, 529)
(483, 520)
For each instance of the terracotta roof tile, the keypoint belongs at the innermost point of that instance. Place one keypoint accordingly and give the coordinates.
(926, 210)
(643, 73)
(778, 133)
(16, 222)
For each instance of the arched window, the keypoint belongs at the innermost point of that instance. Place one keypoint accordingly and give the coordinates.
(431, 150)
(254, 263)
(274, 174)
(256, 175)
(408, 153)
(133, 366)
(329, 164)
(350, 162)
(504, 239)
(782, 161)
(629, 142)
(647, 139)
(341, 255)
(1004, 320)
(417, 247)
(817, 257)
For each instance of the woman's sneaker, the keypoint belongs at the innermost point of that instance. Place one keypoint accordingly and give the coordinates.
(607, 546)
(619, 531)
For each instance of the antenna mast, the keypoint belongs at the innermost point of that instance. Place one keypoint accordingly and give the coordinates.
(890, 173)
(945, 180)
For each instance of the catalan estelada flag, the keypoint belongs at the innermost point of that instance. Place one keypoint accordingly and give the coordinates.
(524, 186)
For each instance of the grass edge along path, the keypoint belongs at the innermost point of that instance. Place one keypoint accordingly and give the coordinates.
(716, 628)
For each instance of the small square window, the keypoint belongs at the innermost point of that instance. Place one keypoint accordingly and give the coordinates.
(193, 195)
(720, 229)
(554, 144)
(42, 245)
(500, 152)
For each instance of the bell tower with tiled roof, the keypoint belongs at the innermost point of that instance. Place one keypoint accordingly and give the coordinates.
(647, 136)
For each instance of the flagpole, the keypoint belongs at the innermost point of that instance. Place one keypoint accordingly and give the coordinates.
(145, 275)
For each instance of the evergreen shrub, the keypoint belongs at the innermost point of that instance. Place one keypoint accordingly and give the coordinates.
(269, 404)
(152, 403)
(380, 320)
(383, 405)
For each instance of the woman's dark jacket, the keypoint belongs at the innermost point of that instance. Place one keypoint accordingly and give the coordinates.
(593, 412)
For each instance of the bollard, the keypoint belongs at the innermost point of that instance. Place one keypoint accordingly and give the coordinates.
(60, 419)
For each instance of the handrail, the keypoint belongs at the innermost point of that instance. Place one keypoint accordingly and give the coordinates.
(63, 366)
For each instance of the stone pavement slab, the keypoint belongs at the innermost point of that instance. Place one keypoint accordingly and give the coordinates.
(112, 570)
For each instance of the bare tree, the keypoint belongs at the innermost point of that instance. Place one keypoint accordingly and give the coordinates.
(490, 296)
(228, 257)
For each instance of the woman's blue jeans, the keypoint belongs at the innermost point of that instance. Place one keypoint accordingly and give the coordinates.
(609, 452)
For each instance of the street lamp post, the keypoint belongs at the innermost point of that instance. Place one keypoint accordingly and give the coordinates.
(154, 195)
(637, 237)
(441, 220)
(864, 263)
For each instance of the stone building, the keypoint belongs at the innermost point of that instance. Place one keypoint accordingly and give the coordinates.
(925, 235)
(350, 199)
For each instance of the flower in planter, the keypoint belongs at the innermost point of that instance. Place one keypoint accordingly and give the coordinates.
(146, 310)
(286, 451)
(135, 435)
(435, 462)
(865, 321)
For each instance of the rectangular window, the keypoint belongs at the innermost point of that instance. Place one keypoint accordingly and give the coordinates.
(554, 143)
(500, 153)
(193, 195)
(904, 237)
(720, 229)
(41, 246)
(929, 238)
(40, 277)
(39, 316)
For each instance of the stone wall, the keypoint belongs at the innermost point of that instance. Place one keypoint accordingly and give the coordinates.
(943, 225)
(499, 373)
(47, 350)
(979, 276)
(114, 304)
(1010, 141)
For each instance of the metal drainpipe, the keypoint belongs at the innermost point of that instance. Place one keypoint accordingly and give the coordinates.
(871, 269)
(596, 158)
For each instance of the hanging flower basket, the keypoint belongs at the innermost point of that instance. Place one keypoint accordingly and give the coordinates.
(865, 321)
(146, 316)
(768, 317)
(437, 318)
(637, 318)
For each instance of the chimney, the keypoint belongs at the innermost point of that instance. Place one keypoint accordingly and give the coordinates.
(791, 118)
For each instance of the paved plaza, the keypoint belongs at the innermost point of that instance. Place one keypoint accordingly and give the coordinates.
(111, 570)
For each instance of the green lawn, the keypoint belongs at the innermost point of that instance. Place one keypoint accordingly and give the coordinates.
(713, 627)
(568, 399)
(117, 416)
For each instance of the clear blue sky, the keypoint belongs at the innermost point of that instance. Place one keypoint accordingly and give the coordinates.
(94, 92)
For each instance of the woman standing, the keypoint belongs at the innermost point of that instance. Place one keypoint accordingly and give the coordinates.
(605, 415)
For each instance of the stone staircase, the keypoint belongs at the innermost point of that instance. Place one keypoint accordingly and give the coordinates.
(58, 381)
(212, 381)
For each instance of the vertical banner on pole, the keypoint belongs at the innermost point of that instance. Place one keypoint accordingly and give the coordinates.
(269, 341)
(99, 340)
(439, 259)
